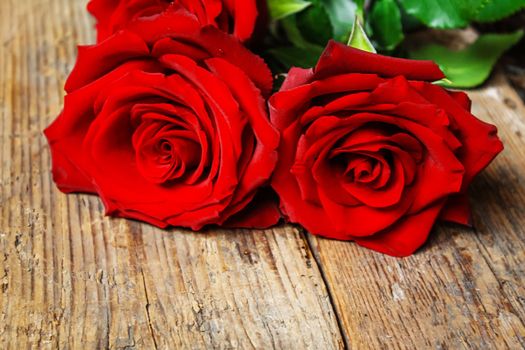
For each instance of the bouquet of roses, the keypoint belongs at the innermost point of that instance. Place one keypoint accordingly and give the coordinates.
(172, 119)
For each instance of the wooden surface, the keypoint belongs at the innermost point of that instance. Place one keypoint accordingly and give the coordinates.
(70, 278)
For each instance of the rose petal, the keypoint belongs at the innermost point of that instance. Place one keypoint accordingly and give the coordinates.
(404, 238)
(479, 139)
(339, 59)
(262, 213)
(457, 210)
(123, 47)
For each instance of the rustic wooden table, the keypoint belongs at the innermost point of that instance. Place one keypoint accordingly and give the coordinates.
(70, 278)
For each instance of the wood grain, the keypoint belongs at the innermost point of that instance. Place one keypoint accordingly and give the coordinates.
(70, 278)
(466, 289)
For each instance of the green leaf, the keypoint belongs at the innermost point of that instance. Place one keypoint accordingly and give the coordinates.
(447, 14)
(293, 33)
(295, 36)
(472, 66)
(342, 14)
(385, 21)
(410, 23)
(494, 10)
(359, 39)
(314, 24)
(307, 31)
(439, 13)
(283, 8)
(297, 56)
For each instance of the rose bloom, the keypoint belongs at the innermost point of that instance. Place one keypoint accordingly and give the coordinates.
(372, 152)
(167, 122)
(237, 17)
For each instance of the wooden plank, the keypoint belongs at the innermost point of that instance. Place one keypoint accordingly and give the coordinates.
(70, 278)
(466, 289)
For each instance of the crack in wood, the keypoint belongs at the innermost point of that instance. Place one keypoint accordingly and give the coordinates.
(147, 306)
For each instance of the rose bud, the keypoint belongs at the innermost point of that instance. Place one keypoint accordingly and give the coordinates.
(167, 122)
(372, 152)
(237, 17)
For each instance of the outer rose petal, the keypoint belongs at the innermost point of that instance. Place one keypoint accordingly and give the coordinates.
(479, 139)
(404, 238)
(461, 98)
(296, 77)
(245, 16)
(480, 145)
(293, 207)
(335, 60)
(264, 156)
(123, 47)
(68, 177)
(101, 9)
(262, 213)
(457, 210)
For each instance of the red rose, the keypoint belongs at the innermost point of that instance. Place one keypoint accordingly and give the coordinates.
(167, 123)
(372, 152)
(237, 17)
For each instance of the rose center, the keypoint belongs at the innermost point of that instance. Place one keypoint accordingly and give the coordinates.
(181, 151)
(358, 168)
(165, 153)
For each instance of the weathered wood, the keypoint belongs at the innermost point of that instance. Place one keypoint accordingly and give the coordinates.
(70, 278)
(466, 289)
